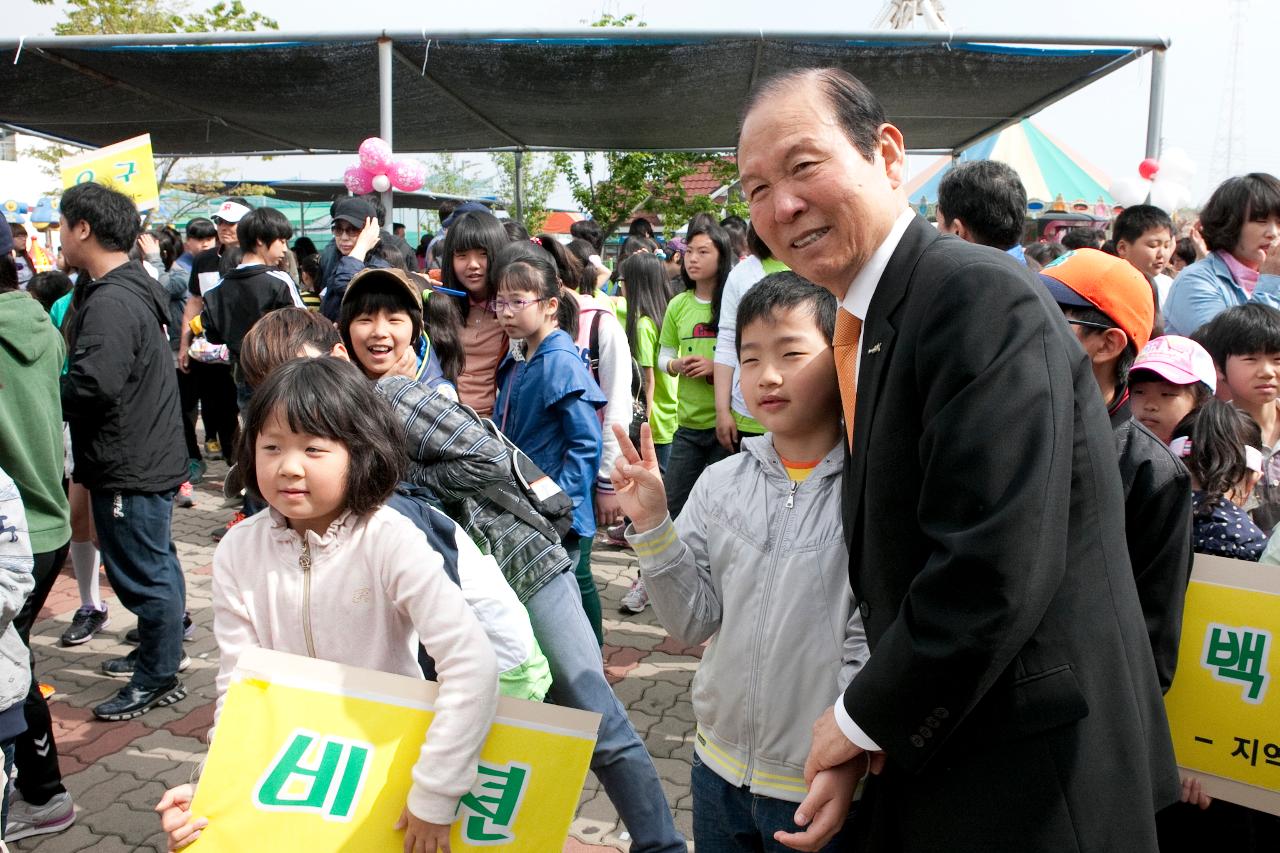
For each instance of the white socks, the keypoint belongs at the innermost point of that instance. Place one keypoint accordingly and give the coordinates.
(84, 560)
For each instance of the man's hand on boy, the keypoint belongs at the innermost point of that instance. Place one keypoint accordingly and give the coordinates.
(175, 817)
(830, 748)
(825, 807)
(638, 482)
(423, 837)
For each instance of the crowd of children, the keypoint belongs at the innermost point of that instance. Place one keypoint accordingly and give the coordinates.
(452, 442)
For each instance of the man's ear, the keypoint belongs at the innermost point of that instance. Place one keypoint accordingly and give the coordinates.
(957, 227)
(894, 152)
(1113, 343)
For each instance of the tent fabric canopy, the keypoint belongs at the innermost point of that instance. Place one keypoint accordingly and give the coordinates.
(208, 94)
(1047, 168)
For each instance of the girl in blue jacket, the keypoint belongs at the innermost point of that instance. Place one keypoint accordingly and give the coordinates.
(547, 400)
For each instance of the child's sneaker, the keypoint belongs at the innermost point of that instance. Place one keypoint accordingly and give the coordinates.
(219, 532)
(613, 535)
(26, 820)
(636, 599)
(196, 469)
(88, 621)
(213, 449)
(186, 496)
(131, 636)
(125, 666)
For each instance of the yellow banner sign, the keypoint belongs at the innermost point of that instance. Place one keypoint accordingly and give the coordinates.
(1224, 706)
(316, 756)
(125, 166)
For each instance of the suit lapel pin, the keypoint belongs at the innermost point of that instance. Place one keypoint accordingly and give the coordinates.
(873, 350)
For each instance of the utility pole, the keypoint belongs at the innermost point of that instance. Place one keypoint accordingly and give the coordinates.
(1228, 142)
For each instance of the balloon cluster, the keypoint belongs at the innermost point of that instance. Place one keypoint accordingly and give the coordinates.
(1164, 183)
(379, 171)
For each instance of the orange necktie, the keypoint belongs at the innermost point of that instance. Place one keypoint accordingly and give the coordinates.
(845, 345)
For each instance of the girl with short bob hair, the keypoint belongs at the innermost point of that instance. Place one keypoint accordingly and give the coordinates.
(1241, 229)
(325, 452)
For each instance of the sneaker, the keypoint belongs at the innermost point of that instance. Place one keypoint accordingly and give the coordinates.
(196, 469)
(636, 599)
(613, 535)
(134, 701)
(88, 621)
(213, 449)
(188, 629)
(219, 532)
(26, 820)
(123, 667)
(186, 496)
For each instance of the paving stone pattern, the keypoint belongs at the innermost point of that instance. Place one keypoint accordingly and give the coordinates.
(116, 772)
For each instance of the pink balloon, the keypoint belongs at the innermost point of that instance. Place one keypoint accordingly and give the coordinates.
(1148, 168)
(407, 175)
(358, 180)
(375, 155)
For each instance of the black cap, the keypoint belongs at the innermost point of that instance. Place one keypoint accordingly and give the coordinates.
(469, 207)
(354, 210)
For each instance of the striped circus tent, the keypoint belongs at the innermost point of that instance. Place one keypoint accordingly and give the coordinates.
(1048, 170)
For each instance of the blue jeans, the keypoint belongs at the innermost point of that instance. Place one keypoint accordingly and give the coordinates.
(620, 759)
(728, 819)
(664, 456)
(8, 747)
(143, 567)
(692, 450)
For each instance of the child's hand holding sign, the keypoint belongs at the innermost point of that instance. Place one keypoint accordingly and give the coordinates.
(637, 480)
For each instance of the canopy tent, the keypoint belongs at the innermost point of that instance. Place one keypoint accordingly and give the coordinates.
(583, 89)
(1048, 170)
(325, 192)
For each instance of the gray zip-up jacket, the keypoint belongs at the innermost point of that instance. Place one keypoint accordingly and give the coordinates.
(758, 563)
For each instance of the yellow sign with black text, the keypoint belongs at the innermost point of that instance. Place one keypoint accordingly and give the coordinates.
(125, 166)
(316, 756)
(1224, 706)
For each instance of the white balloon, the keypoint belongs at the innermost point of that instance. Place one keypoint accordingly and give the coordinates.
(1168, 195)
(1130, 191)
(381, 183)
(1176, 166)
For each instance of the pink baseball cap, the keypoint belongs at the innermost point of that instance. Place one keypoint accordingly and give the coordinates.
(1179, 360)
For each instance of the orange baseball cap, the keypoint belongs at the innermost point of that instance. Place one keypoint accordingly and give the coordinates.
(1090, 278)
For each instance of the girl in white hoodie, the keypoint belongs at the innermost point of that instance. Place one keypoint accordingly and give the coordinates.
(325, 453)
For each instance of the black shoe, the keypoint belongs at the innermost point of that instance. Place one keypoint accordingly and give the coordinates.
(132, 637)
(88, 621)
(124, 667)
(134, 701)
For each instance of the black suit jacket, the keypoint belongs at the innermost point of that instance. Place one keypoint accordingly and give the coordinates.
(1011, 682)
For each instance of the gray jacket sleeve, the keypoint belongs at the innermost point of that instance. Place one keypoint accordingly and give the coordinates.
(676, 567)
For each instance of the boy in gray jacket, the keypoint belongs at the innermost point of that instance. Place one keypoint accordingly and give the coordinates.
(758, 563)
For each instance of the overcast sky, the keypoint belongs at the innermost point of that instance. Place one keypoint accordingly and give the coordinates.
(1105, 122)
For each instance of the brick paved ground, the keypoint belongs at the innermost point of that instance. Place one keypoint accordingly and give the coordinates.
(116, 772)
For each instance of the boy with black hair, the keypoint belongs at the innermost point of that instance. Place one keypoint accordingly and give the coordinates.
(1245, 344)
(984, 202)
(757, 562)
(121, 399)
(1143, 235)
(255, 287)
(1108, 304)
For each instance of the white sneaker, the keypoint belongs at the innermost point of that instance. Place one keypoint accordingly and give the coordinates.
(636, 599)
(26, 820)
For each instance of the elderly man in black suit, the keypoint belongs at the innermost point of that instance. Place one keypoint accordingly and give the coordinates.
(1010, 702)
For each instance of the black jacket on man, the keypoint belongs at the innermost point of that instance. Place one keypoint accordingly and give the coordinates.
(1157, 523)
(120, 394)
(1010, 683)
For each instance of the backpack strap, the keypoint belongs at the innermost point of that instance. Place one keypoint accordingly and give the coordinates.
(593, 344)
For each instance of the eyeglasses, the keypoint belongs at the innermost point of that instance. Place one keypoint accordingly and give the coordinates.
(345, 229)
(498, 306)
(1090, 325)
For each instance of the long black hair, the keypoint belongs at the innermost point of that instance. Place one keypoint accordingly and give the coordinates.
(1219, 433)
(647, 295)
(720, 239)
(529, 267)
(472, 230)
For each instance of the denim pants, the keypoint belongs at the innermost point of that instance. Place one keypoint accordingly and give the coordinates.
(620, 760)
(142, 565)
(692, 450)
(729, 819)
(7, 746)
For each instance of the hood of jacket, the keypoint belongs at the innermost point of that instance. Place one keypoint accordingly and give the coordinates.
(558, 340)
(761, 447)
(25, 328)
(133, 276)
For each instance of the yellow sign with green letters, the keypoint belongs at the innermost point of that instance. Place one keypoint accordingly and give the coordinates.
(316, 756)
(1224, 706)
(125, 166)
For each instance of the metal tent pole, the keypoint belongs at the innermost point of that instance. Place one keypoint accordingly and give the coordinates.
(519, 188)
(384, 116)
(1155, 113)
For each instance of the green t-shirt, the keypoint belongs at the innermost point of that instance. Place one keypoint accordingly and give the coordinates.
(685, 329)
(662, 417)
